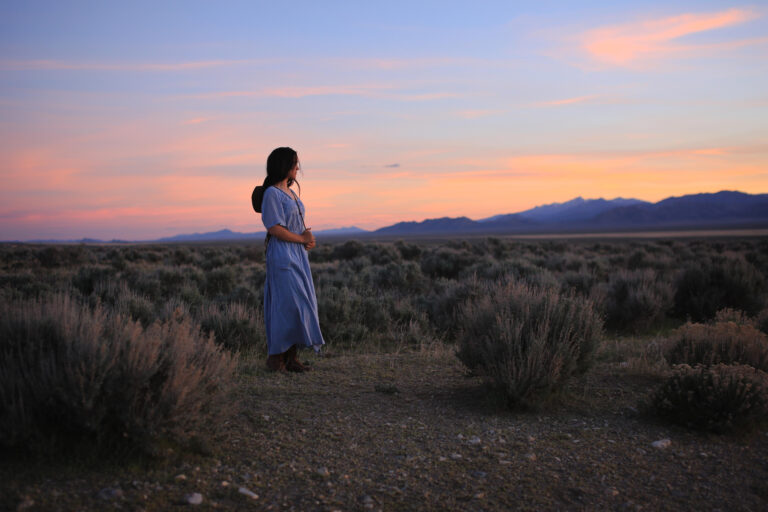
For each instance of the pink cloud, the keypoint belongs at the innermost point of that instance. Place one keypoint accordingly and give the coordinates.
(640, 41)
(363, 90)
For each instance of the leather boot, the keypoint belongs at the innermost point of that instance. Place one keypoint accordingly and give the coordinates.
(276, 362)
(292, 363)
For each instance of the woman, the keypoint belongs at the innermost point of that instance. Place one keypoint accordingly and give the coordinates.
(290, 305)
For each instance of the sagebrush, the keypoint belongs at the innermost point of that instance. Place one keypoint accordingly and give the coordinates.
(528, 340)
(69, 373)
(719, 398)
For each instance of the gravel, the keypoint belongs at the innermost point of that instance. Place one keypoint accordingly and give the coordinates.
(329, 440)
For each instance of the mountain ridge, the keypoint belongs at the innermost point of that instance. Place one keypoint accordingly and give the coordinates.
(723, 209)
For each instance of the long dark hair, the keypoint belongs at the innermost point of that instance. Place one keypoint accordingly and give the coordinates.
(280, 162)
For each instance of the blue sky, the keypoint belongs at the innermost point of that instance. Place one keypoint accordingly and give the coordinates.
(141, 120)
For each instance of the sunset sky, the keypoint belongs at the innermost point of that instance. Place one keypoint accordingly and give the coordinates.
(137, 120)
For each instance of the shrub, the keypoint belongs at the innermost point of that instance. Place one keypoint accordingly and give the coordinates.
(708, 287)
(69, 373)
(717, 398)
(89, 277)
(220, 281)
(529, 341)
(635, 300)
(446, 262)
(761, 320)
(732, 315)
(235, 326)
(725, 342)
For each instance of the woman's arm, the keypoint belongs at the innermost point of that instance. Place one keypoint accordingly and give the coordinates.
(307, 239)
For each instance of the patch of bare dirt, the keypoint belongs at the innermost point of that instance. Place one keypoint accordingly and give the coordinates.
(413, 432)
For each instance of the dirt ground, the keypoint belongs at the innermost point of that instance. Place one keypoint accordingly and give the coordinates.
(414, 432)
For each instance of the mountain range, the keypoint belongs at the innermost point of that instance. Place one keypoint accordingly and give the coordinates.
(725, 209)
(722, 210)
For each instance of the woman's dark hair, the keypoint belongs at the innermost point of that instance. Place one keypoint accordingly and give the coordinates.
(280, 162)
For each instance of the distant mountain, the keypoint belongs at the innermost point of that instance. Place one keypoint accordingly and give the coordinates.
(226, 234)
(577, 209)
(350, 230)
(223, 234)
(441, 225)
(724, 207)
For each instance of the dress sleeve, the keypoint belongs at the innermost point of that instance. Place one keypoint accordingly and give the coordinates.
(272, 212)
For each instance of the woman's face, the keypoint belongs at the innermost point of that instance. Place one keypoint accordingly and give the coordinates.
(293, 172)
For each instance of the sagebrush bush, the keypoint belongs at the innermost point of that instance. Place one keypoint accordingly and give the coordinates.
(529, 341)
(235, 326)
(69, 373)
(717, 398)
(709, 286)
(732, 315)
(634, 300)
(761, 320)
(723, 342)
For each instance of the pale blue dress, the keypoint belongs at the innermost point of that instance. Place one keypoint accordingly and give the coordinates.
(290, 304)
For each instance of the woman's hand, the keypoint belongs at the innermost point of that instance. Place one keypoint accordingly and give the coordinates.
(308, 239)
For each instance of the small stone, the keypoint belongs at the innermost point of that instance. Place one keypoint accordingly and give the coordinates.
(474, 440)
(224, 483)
(180, 477)
(479, 495)
(478, 474)
(455, 456)
(109, 493)
(531, 439)
(442, 459)
(661, 444)
(323, 472)
(611, 491)
(504, 462)
(248, 492)
(194, 498)
(530, 456)
(460, 436)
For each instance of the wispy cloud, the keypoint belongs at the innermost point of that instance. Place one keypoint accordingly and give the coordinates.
(58, 65)
(653, 39)
(569, 101)
(379, 91)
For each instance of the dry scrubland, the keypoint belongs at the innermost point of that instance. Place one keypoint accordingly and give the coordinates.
(480, 375)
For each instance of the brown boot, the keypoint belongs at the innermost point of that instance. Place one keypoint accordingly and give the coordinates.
(276, 362)
(292, 363)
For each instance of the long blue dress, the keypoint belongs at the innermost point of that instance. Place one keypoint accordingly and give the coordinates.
(290, 304)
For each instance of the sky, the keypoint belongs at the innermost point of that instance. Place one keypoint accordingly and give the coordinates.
(137, 120)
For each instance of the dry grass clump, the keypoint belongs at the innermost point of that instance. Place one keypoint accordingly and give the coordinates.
(722, 342)
(74, 375)
(718, 398)
(528, 340)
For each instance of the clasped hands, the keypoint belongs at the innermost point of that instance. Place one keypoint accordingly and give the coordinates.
(308, 239)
